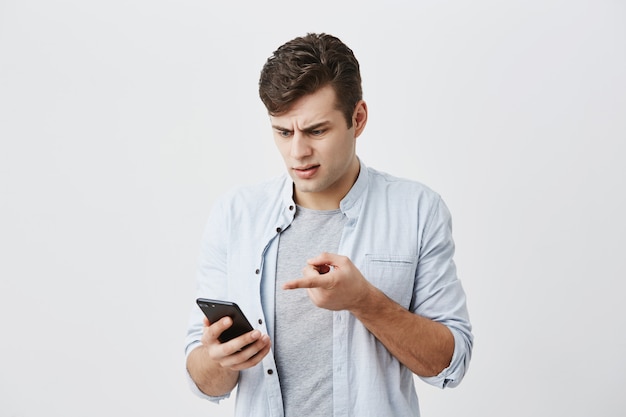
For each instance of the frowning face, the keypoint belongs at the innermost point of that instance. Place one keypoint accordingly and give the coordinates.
(318, 148)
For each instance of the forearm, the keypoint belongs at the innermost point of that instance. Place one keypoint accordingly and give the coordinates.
(423, 345)
(211, 378)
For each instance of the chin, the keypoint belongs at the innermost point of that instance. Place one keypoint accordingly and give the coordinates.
(306, 186)
(305, 189)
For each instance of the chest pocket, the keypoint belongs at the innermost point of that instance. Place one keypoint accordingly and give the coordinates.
(392, 274)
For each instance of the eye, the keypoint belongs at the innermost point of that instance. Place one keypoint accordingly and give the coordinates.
(283, 133)
(317, 132)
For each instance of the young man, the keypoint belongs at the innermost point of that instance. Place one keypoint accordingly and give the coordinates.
(345, 272)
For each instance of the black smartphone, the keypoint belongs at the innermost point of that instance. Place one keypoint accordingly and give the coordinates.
(216, 309)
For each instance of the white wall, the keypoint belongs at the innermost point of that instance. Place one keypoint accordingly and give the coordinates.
(121, 121)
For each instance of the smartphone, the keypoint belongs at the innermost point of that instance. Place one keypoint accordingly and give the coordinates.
(216, 309)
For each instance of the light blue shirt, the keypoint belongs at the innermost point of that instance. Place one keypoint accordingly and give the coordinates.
(398, 234)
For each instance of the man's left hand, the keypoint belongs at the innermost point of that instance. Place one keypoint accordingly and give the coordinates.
(333, 282)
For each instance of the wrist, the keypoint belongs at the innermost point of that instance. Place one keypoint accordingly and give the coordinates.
(364, 300)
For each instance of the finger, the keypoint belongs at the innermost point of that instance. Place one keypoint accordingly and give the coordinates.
(313, 271)
(324, 258)
(234, 355)
(219, 326)
(323, 269)
(239, 343)
(307, 282)
(227, 353)
(297, 283)
(248, 338)
(258, 356)
(326, 262)
(252, 354)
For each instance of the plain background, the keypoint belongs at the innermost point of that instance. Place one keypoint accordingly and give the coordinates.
(122, 121)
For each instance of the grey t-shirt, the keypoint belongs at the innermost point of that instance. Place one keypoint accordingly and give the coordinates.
(303, 332)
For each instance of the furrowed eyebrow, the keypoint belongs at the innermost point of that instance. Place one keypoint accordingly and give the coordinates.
(307, 129)
(282, 129)
(316, 126)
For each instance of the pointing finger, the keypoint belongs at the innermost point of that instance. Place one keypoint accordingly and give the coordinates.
(309, 282)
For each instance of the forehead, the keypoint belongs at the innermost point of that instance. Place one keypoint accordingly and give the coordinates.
(311, 108)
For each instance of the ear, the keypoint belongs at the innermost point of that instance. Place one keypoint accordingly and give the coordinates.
(359, 118)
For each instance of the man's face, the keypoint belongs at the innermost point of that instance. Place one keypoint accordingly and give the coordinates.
(318, 148)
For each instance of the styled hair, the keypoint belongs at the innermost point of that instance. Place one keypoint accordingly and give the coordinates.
(304, 65)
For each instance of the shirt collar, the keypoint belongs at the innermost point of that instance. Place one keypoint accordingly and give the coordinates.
(349, 205)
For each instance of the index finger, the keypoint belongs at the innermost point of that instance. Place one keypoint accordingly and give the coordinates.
(308, 282)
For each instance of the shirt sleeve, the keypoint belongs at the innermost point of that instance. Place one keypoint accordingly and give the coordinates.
(210, 281)
(439, 294)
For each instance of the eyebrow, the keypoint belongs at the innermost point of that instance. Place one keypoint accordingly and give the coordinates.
(309, 128)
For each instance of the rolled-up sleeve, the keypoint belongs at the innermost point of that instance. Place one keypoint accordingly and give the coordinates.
(439, 294)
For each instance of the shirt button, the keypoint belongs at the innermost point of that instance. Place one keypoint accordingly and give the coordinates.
(270, 371)
(290, 207)
(258, 271)
(260, 321)
(278, 230)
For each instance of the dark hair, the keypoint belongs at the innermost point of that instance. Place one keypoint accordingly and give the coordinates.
(304, 65)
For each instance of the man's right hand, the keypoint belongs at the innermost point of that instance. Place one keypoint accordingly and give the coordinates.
(237, 354)
(215, 366)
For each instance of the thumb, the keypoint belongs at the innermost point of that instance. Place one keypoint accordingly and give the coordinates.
(324, 258)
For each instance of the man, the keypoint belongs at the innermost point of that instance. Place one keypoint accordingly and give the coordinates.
(345, 272)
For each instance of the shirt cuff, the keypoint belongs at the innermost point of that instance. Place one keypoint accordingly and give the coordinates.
(453, 374)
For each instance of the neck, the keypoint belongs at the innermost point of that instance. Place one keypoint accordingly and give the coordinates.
(329, 199)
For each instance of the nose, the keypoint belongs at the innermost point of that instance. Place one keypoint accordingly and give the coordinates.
(300, 147)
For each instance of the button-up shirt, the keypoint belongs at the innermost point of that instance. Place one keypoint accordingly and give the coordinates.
(398, 234)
